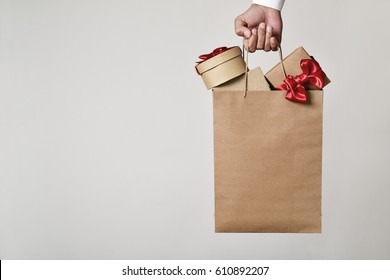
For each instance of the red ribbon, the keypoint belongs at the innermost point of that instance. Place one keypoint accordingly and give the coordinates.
(207, 56)
(215, 52)
(312, 74)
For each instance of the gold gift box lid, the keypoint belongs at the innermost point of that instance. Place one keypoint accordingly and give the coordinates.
(218, 60)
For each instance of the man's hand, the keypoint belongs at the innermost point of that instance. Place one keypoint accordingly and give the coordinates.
(261, 27)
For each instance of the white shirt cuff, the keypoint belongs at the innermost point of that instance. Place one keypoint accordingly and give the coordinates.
(274, 4)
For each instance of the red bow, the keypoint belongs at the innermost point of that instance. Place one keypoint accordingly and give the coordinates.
(312, 74)
(215, 52)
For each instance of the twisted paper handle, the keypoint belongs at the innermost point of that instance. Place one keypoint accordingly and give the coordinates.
(245, 56)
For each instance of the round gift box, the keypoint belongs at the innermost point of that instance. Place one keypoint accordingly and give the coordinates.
(222, 68)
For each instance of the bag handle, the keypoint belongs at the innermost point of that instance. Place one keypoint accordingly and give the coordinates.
(245, 57)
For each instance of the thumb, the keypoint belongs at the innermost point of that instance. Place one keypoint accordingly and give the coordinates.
(242, 29)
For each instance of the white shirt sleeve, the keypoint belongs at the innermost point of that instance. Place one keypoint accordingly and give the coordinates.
(274, 4)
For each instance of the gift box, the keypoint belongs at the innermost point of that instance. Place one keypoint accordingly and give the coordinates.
(292, 66)
(220, 66)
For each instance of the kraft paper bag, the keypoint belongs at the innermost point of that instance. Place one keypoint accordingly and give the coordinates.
(267, 155)
(267, 159)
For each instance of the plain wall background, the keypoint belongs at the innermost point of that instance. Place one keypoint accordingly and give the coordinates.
(106, 148)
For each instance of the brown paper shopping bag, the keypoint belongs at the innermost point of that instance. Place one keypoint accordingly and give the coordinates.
(268, 155)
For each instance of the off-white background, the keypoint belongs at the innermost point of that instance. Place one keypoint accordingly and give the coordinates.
(106, 145)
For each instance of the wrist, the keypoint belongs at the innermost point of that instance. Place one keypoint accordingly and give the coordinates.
(274, 4)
